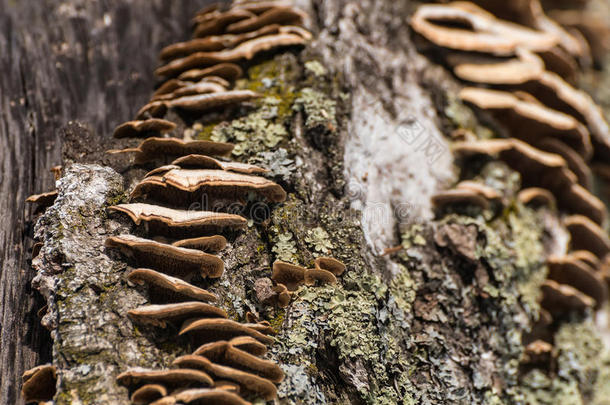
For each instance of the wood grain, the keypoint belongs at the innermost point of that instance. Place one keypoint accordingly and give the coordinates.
(62, 61)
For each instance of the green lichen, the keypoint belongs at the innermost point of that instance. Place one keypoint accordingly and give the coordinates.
(285, 248)
(316, 68)
(319, 240)
(256, 132)
(319, 109)
(346, 320)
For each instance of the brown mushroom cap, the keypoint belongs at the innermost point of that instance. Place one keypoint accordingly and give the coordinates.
(244, 343)
(330, 264)
(169, 400)
(178, 261)
(539, 169)
(227, 386)
(313, 276)
(587, 235)
(168, 220)
(459, 197)
(249, 382)
(569, 271)
(218, 329)
(244, 51)
(227, 354)
(282, 295)
(166, 288)
(207, 162)
(191, 89)
(160, 315)
(214, 43)
(575, 162)
(538, 352)
(536, 196)
(228, 71)
(216, 23)
(276, 15)
(210, 396)
(149, 127)
(39, 383)
(530, 121)
(148, 393)
(489, 70)
(483, 190)
(481, 31)
(173, 377)
(43, 200)
(561, 96)
(531, 14)
(153, 148)
(209, 244)
(560, 298)
(290, 275)
(586, 257)
(208, 101)
(187, 183)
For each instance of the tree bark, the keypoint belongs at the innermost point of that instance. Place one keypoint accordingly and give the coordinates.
(354, 127)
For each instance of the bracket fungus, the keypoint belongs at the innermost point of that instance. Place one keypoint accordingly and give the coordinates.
(228, 354)
(160, 315)
(191, 183)
(214, 43)
(586, 257)
(570, 271)
(209, 396)
(247, 381)
(178, 261)
(587, 235)
(209, 244)
(172, 377)
(244, 51)
(148, 393)
(538, 353)
(164, 288)
(530, 121)
(153, 148)
(215, 24)
(43, 200)
(325, 271)
(464, 26)
(289, 275)
(39, 383)
(228, 71)
(207, 330)
(168, 220)
(215, 350)
(539, 169)
(560, 298)
(476, 68)
(149, 127)
(206, 162)
(190, 89)
(536, 197)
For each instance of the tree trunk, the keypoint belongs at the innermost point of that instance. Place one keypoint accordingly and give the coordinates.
(355, 128)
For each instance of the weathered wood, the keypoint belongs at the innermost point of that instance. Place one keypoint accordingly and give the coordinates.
(62, 61)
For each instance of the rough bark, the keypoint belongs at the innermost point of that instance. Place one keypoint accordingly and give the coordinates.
(354, 128)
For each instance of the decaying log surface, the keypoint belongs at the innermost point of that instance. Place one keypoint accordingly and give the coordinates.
(355, 129)
(62, 61)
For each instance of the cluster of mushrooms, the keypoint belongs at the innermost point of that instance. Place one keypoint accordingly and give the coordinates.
(520, 67)
(180, 244)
